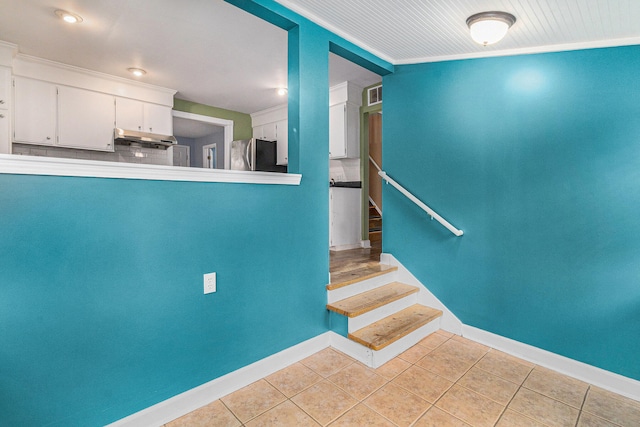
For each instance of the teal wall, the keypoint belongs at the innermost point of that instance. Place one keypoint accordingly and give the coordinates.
(537, 159)
(102, 311)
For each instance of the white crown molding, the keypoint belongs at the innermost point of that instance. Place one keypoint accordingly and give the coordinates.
(50, 166)
(525, 51)
(92, 73)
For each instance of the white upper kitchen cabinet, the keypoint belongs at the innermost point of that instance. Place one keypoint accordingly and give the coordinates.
(142, 116)
(34, 112)
(86, 119)
(158, 119)
(345, 100)
(5, 109)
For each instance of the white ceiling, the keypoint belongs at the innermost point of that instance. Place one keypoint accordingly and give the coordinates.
(410, 31)
(210, 51)
(216, 54)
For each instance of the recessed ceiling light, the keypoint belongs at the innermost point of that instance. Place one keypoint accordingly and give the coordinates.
(69, 17)
(138, 72)
(282, 91)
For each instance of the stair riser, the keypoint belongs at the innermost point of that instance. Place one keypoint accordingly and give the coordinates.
(381, 357)
(375, 359)
(380, 313)
(359, 287)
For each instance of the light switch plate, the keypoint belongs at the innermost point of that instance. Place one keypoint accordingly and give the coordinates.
(209, 283)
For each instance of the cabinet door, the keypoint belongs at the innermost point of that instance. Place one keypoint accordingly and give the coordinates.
(5, 88)
(129, 114)
(258, 132)
(34, 112)
(282, 136)
(337, 132)
(4, 132)
(269, 132)
(86, 119)
(158, 119)
(5, 109)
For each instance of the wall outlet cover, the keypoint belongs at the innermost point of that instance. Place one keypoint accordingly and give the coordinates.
(209, 283)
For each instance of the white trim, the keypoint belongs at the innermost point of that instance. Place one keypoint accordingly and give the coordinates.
(449, 320)
(525, 51)
(195, 398)
(35, 165)
(228, 130)
(590, 374)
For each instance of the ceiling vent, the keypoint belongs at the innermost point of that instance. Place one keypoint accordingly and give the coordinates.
(374, 95)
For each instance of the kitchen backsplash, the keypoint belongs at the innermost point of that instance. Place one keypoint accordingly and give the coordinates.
(123, 154)
(344, 169)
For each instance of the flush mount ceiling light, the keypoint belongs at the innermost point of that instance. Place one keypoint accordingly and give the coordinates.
(69, 17)
(489, 27)
(282, 91)
(138, 72)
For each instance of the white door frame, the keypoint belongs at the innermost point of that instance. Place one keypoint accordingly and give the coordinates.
(228, 130)
(206, 162)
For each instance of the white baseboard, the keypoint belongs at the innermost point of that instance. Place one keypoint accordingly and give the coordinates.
(590, 374)
(345, 247)
(195, 398)
(449, 321)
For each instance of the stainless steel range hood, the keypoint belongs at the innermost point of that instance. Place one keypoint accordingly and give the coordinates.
(145, 139)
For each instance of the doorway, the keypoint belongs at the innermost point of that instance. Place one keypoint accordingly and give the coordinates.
(198, 131)
(210, 156)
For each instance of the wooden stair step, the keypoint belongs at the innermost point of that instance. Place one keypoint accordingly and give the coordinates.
(370, 300)
(375, 236)
(349, 277)
(380, 334)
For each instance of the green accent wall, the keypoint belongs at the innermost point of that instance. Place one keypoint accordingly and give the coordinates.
(241, 122)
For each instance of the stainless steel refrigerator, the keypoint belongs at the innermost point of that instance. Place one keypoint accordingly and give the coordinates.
(255, 155)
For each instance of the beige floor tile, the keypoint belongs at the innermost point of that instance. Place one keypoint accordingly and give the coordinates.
(489, 385)
(293, 379)
(415, 353)
(423, 383)
(470, 407)
(397, 404)
(505, 366)
(285, 414)
(589, 420)
(434, 340)
(544, 409)
(467, 341)
(393, 368)
(438, 418)
(253, 400)
(213, 414)
(451, 360)
(513, 419)
(361, 416)
(327, 362)
(557, 386)
(324, 402)
(612, 407)
(358, 380)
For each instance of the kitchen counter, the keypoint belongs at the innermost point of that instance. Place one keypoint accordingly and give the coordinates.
(346, 184)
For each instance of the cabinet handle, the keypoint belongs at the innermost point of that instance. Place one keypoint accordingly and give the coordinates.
(139, 127)
(150, 129)
(1, 116)
(48, 138)
(1, 101)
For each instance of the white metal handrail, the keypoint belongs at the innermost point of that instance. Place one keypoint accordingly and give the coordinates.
(424, 207)
(375, 164)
